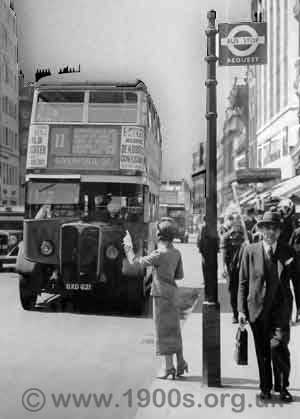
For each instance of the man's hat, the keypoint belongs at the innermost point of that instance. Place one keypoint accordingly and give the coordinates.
(270, 217)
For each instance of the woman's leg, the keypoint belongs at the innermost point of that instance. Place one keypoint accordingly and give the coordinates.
(169, 362)
(179, 357)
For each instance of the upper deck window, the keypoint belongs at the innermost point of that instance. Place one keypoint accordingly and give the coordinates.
(105, 96)
(59, 106)
(113, 106)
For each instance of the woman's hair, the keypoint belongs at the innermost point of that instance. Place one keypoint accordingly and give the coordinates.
(166, 229)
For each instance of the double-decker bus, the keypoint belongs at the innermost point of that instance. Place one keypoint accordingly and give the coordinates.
(93, 172)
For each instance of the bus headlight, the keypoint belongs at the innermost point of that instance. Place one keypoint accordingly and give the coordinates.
(112, 252)
(46, 248)
(12, 241)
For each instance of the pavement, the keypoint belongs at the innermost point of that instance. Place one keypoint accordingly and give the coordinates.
(187, 397)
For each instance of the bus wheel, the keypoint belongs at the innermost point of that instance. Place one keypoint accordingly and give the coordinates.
(136, 296)
(28, 296)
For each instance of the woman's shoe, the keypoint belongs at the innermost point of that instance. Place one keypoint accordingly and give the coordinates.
(181, 368)
(167, 372)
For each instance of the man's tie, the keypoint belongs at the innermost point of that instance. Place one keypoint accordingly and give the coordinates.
(273, 263)
(271, 255)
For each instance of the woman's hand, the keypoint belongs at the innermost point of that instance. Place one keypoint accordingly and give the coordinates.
(127, 242)
(243, 318)
(128, 247)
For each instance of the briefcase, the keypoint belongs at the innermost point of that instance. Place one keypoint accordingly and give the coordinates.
(241, 346)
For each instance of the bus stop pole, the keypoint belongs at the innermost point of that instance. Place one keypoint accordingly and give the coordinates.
(211, 366)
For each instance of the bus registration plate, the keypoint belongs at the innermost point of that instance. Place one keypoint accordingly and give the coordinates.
(76, 286)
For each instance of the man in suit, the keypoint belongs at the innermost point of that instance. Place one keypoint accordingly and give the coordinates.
(265, 299)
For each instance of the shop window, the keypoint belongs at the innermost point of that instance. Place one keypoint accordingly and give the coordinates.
(275, 149)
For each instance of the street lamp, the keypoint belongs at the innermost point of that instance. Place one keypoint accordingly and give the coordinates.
(211, 307)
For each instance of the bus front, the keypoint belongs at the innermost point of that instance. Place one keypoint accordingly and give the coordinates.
(86, 184)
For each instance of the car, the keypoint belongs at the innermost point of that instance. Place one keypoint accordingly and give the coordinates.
(9, 261)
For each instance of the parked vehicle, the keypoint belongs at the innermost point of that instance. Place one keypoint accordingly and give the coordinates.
(11, 231)
(9, 261)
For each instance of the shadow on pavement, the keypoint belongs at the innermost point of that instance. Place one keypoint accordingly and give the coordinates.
(229, 382)
(90, 306)
(93, 306)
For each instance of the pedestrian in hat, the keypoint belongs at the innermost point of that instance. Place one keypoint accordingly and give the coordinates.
(286, 208)
(265, 299)
(288, 235)
(295, 244)
(250, 222)
(168, 268)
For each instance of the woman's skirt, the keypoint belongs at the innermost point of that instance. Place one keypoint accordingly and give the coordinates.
(167, 326)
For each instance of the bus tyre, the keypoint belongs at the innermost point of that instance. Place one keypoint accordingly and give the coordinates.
(28, 296)
(136, 296)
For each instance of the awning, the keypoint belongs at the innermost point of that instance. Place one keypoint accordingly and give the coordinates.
(287, 188)
(246, 197)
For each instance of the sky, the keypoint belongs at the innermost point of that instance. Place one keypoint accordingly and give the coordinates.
(162, 42)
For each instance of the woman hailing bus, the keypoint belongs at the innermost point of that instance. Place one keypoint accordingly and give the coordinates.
(168, 267)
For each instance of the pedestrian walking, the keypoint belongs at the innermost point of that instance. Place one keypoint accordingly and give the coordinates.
(229, 218)
(286, 208)
(265, 299)
(232, 247)
(203, 250)
(168, 268)
(295, 244)
(250, 222)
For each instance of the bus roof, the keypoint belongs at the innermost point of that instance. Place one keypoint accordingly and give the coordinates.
(80, 79)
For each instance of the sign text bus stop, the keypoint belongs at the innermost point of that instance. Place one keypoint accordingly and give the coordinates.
(242, 43)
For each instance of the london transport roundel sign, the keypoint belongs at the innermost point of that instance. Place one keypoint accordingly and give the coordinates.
(242, 43)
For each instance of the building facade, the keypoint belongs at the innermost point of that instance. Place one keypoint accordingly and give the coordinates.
(25, 106)
(273, 91)
(9, 140)
(233, 150)
(198, 183)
